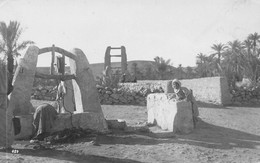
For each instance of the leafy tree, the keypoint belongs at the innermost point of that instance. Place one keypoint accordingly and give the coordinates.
(180, 74)
(149, 73)
(136, 72)
(9, 45)
(190, 73)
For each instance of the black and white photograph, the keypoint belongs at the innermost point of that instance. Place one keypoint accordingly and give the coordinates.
(129, 81)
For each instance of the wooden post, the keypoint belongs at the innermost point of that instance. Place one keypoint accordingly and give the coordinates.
(123, 60)
(63, 65)
(52, 59)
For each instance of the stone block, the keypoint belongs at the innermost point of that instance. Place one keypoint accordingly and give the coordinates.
(86, 120)
(26, 127)
(170, 114)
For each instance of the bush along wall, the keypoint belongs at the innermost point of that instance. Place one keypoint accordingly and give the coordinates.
(131, 95)
(136, 93)
(44, 93)
(246, 96)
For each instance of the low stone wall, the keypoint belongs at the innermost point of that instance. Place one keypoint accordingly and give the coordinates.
(212, 90)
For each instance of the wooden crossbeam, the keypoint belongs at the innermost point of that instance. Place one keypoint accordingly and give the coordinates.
(115, 55)
(115, 47)
(56, 77)
(58, 50)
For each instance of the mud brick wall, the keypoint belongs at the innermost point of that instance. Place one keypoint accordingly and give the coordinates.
(210, 90)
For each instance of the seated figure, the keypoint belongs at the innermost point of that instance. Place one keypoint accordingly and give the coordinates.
(183, 93)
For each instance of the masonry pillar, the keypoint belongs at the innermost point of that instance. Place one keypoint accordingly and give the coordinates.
(23, 83)
(86, 95)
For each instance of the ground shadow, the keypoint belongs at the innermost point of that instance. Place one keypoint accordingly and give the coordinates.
(210, 105)
(205, 135)
(68, 156)
(212, 136)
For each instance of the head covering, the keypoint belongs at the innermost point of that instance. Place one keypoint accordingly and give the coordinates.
(176, 81)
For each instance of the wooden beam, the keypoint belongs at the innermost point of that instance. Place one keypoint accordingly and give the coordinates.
(58, 50)
(115, 47)
(57, 77)
(115, 55)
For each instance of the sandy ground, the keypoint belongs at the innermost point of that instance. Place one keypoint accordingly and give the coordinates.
(223, 134)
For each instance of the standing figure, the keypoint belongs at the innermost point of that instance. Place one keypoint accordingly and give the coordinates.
(60, 96)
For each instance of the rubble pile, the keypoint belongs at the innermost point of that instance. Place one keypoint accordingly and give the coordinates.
(107, 95)
(124, 96)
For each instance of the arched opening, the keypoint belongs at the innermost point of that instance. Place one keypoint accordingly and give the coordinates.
(54, 83)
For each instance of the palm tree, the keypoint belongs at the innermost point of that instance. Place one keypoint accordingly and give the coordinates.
(248, 45)
(254, 38)
(200, 62)
(205, 65)
(161, 66)
(219, 50)
(200, 58)
(9, 36)
(235, 60)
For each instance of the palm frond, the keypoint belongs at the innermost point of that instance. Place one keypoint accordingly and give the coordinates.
(3, 31)
(19, 32)
(14, 29)
(23, 45)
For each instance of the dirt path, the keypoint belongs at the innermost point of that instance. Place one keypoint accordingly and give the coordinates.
(230, 134)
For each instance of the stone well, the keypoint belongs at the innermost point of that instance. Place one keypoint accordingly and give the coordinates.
(88, 114)
(170, 114)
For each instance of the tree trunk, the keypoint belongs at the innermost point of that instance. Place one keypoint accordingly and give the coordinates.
(10, 67)
(10, 63)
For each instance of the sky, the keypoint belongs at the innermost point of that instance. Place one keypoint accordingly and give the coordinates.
(172, 29)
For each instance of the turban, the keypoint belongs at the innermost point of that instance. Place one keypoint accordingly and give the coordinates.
(176, 81)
